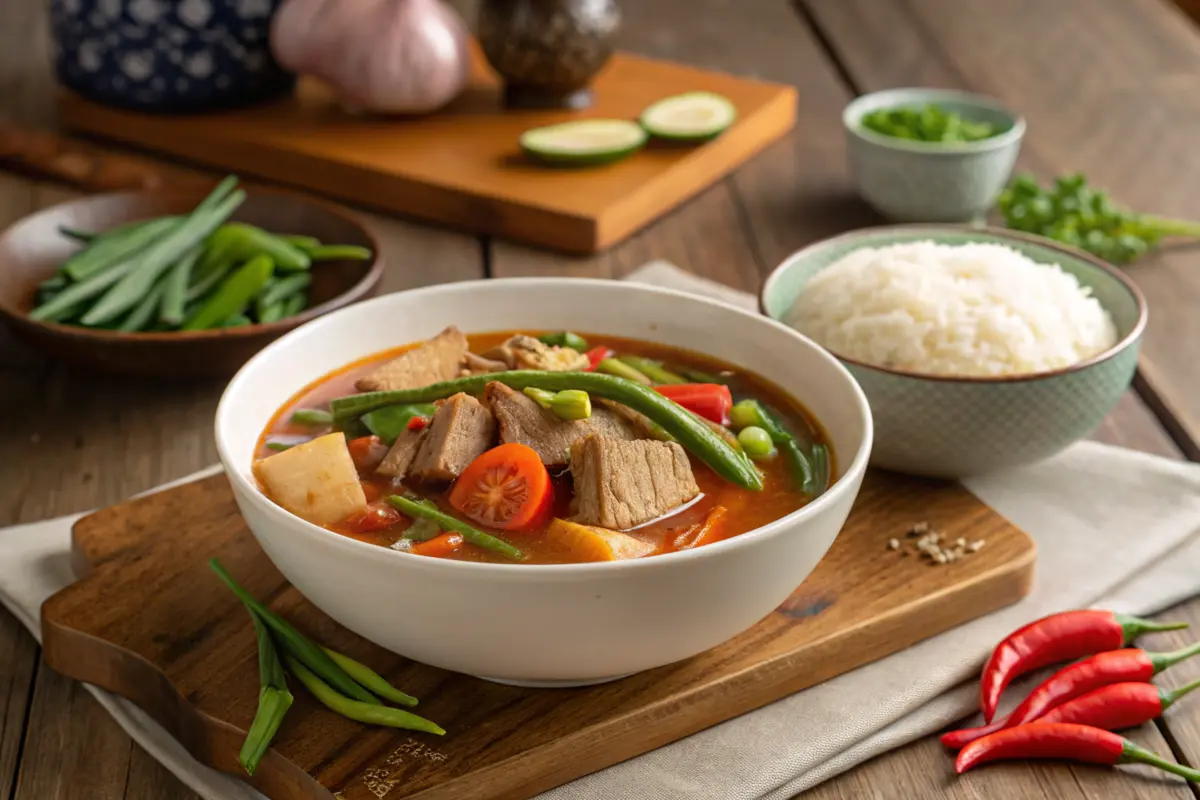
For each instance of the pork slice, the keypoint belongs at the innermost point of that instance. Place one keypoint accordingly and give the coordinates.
(526, 352)
(434, 360)
(461, 429)
(398, 459)
(621, 484)
(522, 420)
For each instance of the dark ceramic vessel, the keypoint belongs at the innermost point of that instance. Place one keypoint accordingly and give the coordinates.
(167, 55)
(32, 249)
(548, 51)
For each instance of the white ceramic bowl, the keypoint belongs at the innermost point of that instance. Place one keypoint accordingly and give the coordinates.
(547, 625)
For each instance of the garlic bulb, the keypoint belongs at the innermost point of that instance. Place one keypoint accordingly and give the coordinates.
(389, 56)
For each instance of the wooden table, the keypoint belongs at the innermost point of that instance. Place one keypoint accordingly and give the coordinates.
(1109, 88)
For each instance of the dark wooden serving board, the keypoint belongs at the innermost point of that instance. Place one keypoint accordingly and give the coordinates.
(149, 621)
(462, 166)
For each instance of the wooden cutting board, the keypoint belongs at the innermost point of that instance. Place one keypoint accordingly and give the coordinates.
(149, 621)
(462, 166)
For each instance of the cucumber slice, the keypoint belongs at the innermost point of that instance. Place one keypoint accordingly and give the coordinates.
(689, 117)
(583, 143)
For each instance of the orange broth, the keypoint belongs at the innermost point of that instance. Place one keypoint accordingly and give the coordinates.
(747, 510)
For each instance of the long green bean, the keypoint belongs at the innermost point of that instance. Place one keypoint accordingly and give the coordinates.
(695, 437)
(339, 252)
(369, 679)
(143, 312)
(233, 295)
(248, 241)
(108, 249)
(423, 508)
(810, 472)
(654, 370)
(65, 302)
(294, 305)
(274, 700)
(294, 642)
(359, 712)
(174, 298)
(611, 366)
(284, 288)
(312, 416)
(207, 276)
(158, 257)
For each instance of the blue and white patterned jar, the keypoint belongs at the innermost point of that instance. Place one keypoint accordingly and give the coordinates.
(167, 55)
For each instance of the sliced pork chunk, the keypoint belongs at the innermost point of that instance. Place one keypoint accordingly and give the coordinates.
(316, 480)
(621, 484)
(478, 365)
(523, 421)
(460, 430)
(526, 352)
(435, 360)
(396, 463)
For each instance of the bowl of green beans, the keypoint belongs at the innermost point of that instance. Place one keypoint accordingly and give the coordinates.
(179, 284)
(931, 155)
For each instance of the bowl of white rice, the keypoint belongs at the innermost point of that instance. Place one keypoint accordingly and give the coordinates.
(978, 349)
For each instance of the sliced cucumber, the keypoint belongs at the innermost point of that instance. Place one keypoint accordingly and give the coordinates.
(583, 143)
(689, 117)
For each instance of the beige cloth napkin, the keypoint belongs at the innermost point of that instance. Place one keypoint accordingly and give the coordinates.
(1114, 528)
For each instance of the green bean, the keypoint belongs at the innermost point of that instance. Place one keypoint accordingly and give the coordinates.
(283, 288)
(274, 700)
(612, 366)
(352, 709)
(248, 241)
(565, 339)
(109, 249)
(237, 320)
(143, 312)
(279, 447)
(390, 421)
(423, 508)
(155, 259)
(294, 305)
(811, 471)
(339, 252)
(369, 679)
(756, 442)
(311, 416)
(305, 243)
(819, 456)
(654, 370)
(700, 376)
(175, 289)
(294, 642)
(268, 314)
(65, 302)
(696, 437)
(569, 404)
(233, 295)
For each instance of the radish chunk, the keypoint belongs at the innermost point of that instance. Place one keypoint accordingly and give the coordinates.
(315, 481)
(589, 543)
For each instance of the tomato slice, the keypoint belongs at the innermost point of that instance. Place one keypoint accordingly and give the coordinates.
(507, 487)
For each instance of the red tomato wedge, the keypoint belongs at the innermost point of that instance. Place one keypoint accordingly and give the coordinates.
(710, 400)
(507, 487)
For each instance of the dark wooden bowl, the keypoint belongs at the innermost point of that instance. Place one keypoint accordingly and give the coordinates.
(33, 248)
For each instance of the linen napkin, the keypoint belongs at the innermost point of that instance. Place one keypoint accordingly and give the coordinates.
(1114, 529)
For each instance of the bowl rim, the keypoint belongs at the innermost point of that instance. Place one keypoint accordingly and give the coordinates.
(853, 113)
(855, 468)
(1113, 272)
(370, 279)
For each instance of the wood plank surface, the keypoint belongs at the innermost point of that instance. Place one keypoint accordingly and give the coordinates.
(1135, 62)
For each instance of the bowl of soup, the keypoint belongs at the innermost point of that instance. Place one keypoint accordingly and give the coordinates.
(547, 481)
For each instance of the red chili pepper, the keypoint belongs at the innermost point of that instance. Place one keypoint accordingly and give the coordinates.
(1118, 705)
(596, 355)
(376, 517)
(1058, 637)
(710, 400)
(1076, 680)
(1063, 741)
(417, 423)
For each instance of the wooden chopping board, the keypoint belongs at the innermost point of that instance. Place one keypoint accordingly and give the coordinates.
(150, 622)
(462, 166)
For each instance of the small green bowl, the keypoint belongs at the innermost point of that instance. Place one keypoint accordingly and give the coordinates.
(950, 427)
(909, 181)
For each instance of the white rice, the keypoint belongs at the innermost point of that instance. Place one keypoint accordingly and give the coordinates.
(970, 310)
